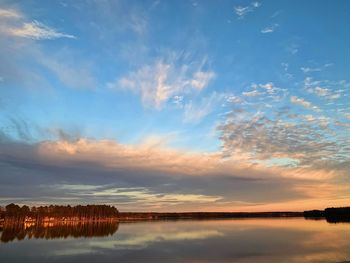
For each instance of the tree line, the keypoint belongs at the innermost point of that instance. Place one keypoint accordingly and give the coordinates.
(13, 212)
(332, 214)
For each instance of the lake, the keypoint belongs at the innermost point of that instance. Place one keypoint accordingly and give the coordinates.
(243, 240)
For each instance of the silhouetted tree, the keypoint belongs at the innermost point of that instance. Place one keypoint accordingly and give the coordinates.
(60, 212)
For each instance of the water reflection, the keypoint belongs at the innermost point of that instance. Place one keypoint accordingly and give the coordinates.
(11, 232)
(260, 240)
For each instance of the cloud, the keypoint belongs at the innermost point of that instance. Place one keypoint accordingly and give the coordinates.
(10, 13)
(331, 92)
(161, 81)
(201, 79)
(144, 157)
(24, 60)
(15, 24)
(308, 70)
(321, 91)
(144, 176)
(241, 11)
(144, 195)
(309, 117)
(194, 113)
(178, 101)
(304, 103)
(256, 137)
(138, 23)
(38, 31)
(269, 29)
(151, 176)
(234, 99)
(269, 87)
(73, 73)
(263, 130)
(252, 93)
(262, 90)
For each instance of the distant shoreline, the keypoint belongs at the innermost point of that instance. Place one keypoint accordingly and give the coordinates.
(154, 216)
(93, 213)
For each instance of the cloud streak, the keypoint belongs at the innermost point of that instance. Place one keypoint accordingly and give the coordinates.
(15, 25)
(38, 31)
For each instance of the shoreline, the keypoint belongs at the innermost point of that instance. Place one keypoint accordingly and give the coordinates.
(151, 216)
(15, 214)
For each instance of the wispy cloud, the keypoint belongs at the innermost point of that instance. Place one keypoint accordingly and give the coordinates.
(269, 29)
(72, 73)
(138, 23)
(22, 28)
(9, 13)
(201, 79)
(308, 69)
(195, 112)
(241, 11)
(38, 31)
(161, 81)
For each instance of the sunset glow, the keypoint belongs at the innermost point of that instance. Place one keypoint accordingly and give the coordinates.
(175, 105)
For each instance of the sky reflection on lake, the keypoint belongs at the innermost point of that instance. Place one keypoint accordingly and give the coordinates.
(250, 240)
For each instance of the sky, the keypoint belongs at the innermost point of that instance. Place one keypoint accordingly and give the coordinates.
(175, 105)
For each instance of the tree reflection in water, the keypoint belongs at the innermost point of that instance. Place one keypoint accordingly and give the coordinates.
(11, 232)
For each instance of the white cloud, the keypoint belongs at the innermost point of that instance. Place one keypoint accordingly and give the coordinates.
(161, 81)
(321, 91)
(252, 93)
(329, 93)
(269, 87)
(308, 69)
(234, 99)
(304, 103)
(334, 96)
(309, 118)
(241, 11)
(178, 100)
(269, 29)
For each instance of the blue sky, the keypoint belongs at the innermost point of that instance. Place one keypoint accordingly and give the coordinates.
(254, 86)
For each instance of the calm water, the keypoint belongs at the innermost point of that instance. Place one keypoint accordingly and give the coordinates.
(249, 240)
